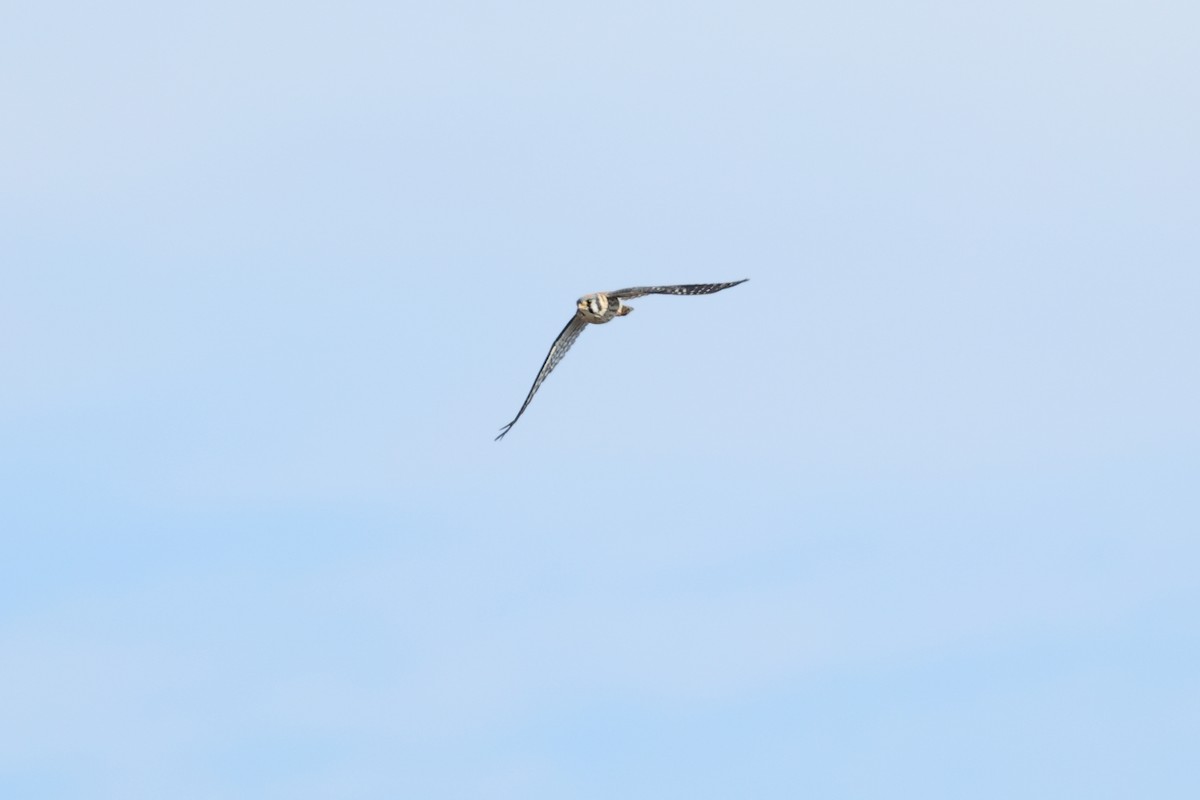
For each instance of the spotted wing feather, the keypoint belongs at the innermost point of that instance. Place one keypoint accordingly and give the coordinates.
(559, 349)
(687, 288)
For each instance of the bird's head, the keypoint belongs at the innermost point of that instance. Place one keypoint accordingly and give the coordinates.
(592, 305)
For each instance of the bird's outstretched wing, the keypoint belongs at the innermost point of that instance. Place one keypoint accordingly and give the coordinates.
(689, 288)
(557, 350)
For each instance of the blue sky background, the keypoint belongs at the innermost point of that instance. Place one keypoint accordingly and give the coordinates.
(911, 514)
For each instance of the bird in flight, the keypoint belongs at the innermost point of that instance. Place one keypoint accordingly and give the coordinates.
(596, 309)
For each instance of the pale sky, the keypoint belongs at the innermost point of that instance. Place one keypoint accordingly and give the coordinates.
(911, 514)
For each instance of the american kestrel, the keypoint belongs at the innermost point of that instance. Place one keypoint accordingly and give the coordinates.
(596, 309)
